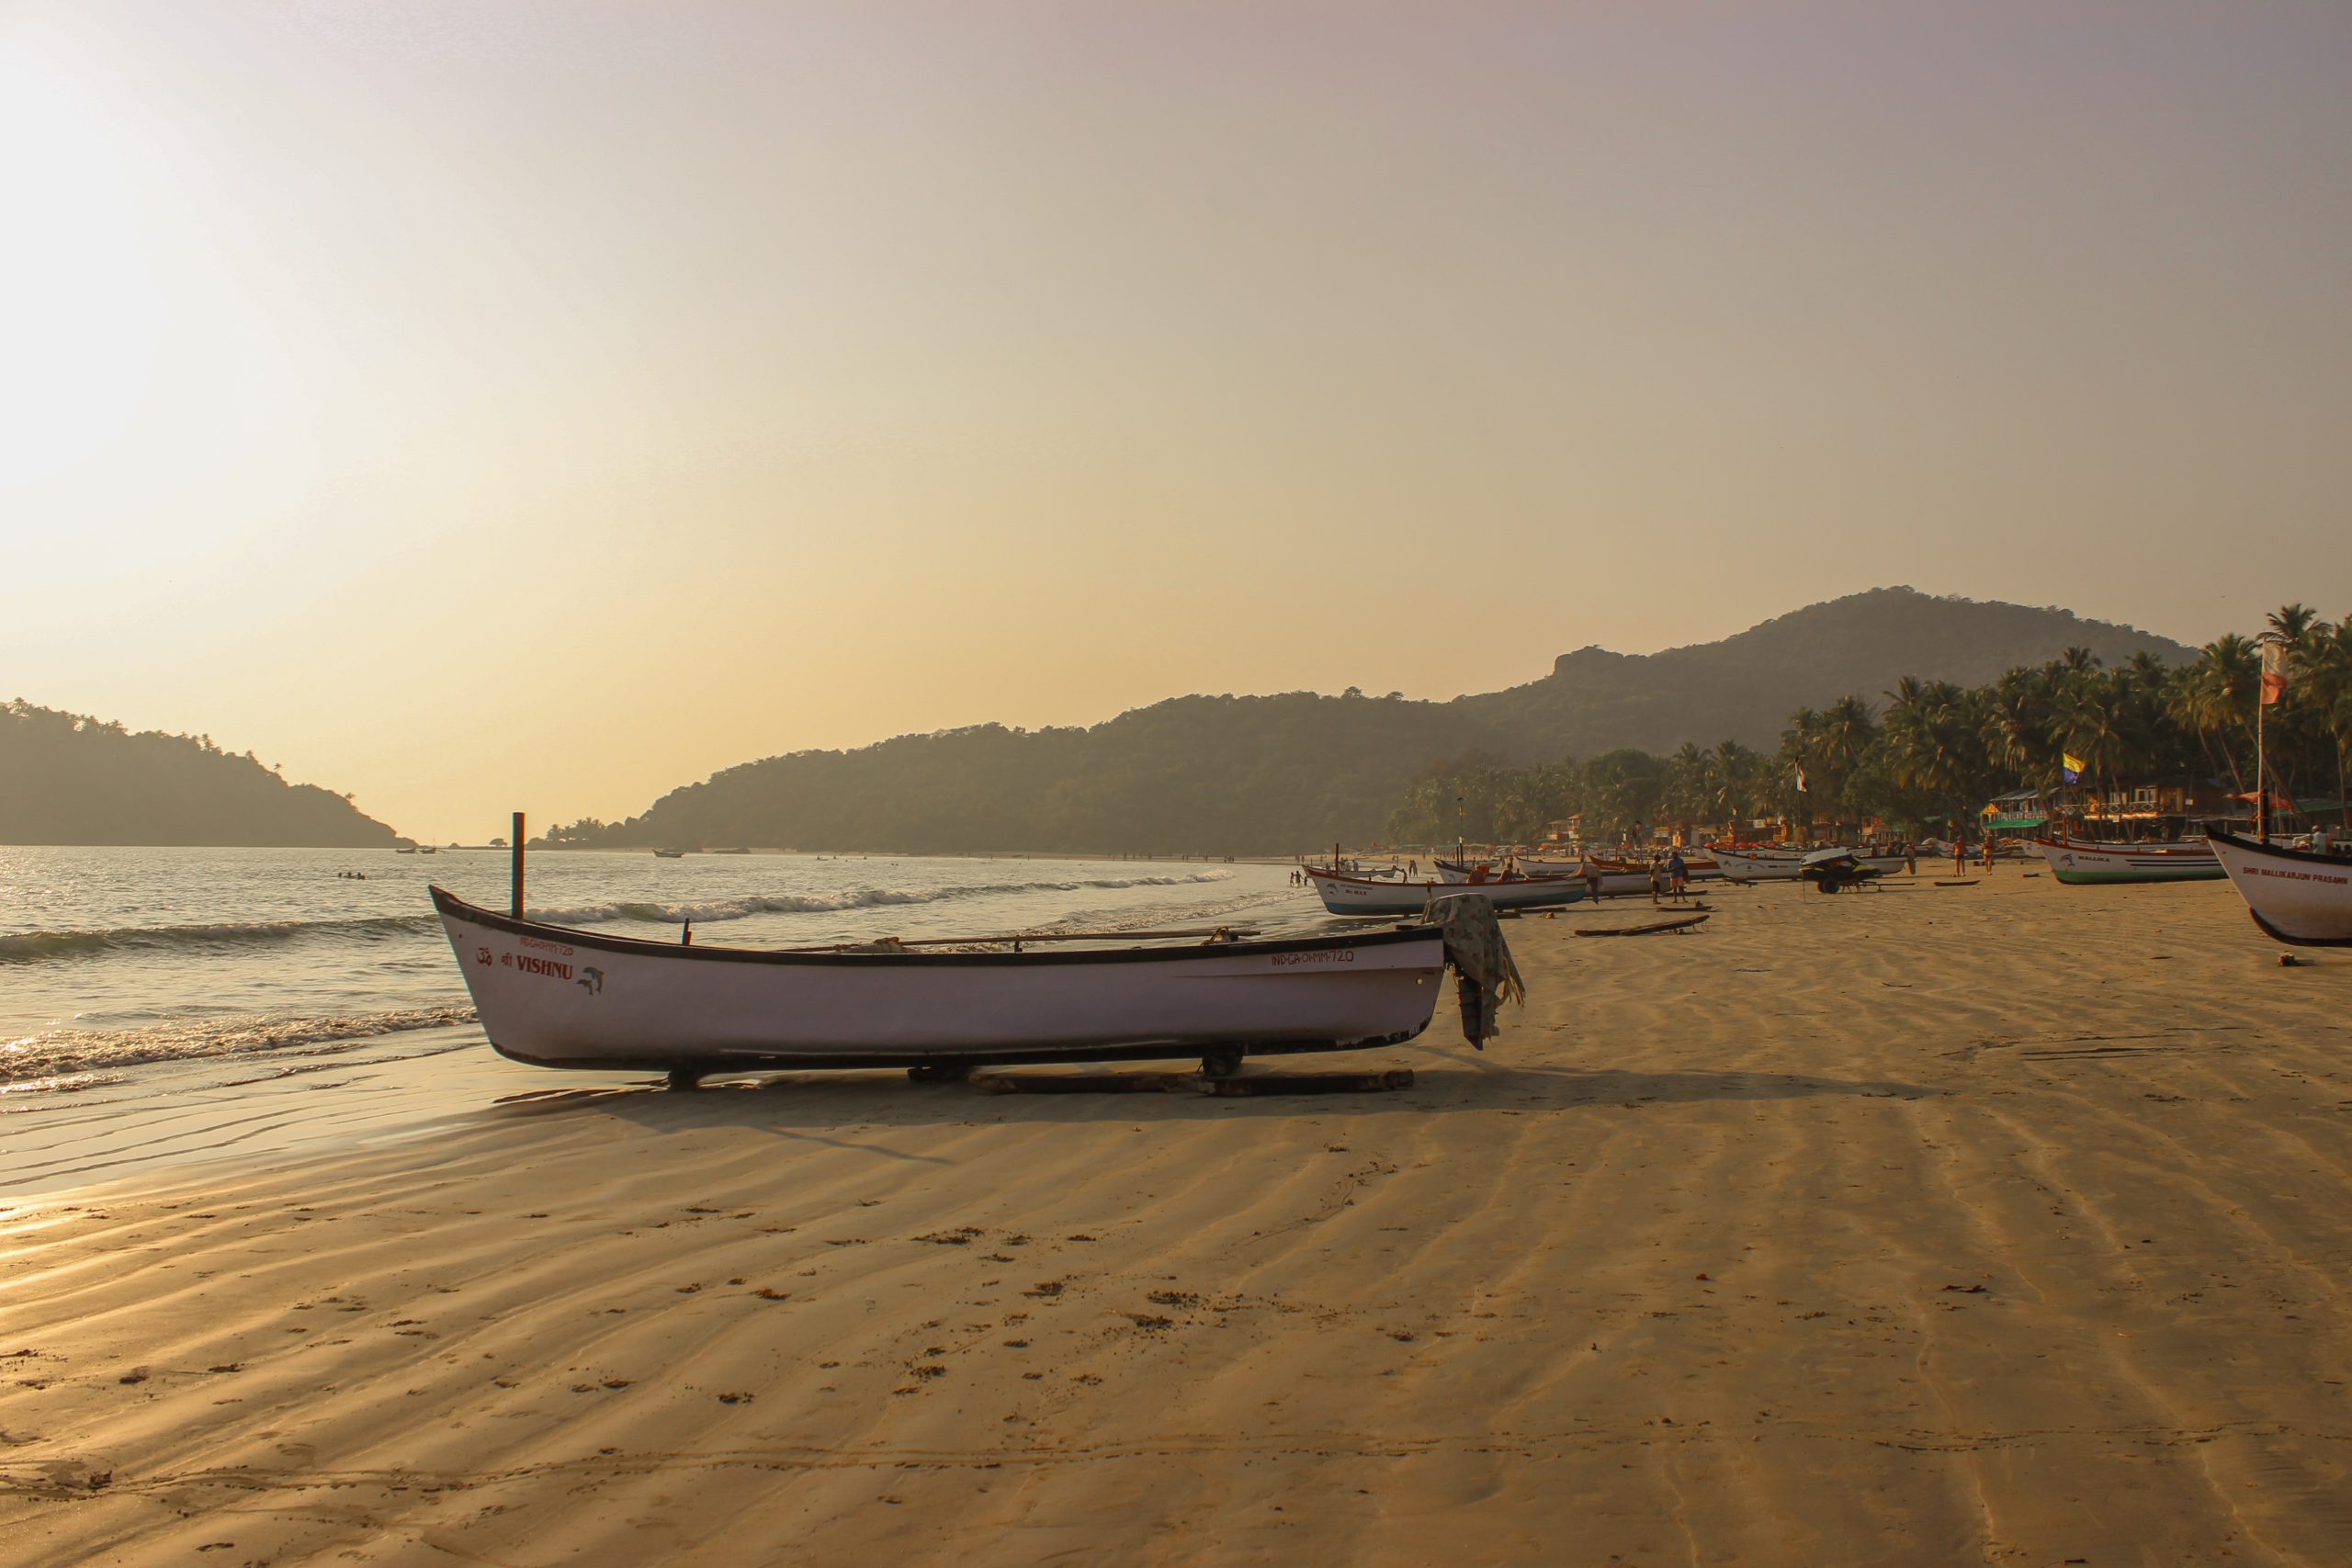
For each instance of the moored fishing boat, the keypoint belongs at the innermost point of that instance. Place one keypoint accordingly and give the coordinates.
(1788, 865)
(559, 997)
(2081, 862)
(2301, 896)
(1346, 894)
(1759, 865)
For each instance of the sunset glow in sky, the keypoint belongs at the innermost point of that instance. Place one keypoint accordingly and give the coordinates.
(482, 405)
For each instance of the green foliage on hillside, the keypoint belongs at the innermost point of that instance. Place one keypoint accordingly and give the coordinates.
(1275, 774)
(69, 779)
(1230, 775)
(1936, 750)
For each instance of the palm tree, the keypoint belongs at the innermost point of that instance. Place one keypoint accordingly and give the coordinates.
(2214, 698)
(1732, 780)
(1842, 734)
(2017, 729)
(1689, 785)
(2100, 723)
(1796, 760)
(2289, 622)
(2328, 686)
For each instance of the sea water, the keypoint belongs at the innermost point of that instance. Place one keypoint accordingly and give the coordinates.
(120, 965)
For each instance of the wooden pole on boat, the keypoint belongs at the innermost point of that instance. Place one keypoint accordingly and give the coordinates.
(517, 851)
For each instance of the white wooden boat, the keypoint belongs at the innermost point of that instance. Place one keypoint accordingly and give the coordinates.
(1363, 896)
(2080, 862)
(560, 998)
(2297, 895)
(1586, 872)
(1759, 865)
(1788, 865)
(1611, 877)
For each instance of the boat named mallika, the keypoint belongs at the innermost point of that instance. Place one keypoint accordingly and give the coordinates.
(559, 997)
(2080, 862)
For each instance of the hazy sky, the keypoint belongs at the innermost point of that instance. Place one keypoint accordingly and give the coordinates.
(488, 404)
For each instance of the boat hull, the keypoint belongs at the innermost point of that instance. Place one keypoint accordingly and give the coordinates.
(1788, 865)
(2296, 897)
(2081, 862)
(554, 996)
(1360, 896)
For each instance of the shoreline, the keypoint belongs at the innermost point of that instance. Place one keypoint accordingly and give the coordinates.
(1946, 1226)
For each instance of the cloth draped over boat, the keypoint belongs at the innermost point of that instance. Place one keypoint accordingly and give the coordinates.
(1484, 977)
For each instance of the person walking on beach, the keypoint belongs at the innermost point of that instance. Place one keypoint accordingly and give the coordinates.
(1657, 882)
(1677, 870)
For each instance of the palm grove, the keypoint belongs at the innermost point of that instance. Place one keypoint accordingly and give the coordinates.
(1936, 752)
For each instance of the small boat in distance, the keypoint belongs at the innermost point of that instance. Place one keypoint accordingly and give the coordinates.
(1788, 865)
(669, 854)
(2300, 896)
(559, 997)
(1348, 894)
(2084, 863)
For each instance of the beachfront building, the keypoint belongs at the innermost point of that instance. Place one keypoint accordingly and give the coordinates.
(2150, 803)
(2020, 814)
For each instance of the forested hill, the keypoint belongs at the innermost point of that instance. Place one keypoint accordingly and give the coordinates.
(1745, 687)
(69, 779)
(1276, 774)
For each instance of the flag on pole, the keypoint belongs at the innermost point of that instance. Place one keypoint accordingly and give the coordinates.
(1801, 789)
(2072, 766)
(2273, 673)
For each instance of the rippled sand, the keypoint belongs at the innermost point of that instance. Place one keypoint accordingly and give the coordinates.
(1944, 1225)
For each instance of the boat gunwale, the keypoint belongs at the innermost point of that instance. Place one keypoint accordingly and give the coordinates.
(448, 904)
(2255, 846)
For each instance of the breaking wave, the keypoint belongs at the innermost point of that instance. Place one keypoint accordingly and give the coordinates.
(32, 947)
(743, 908)
(51, 1060)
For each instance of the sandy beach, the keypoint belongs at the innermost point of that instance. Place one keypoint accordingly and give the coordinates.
(1998, 1223)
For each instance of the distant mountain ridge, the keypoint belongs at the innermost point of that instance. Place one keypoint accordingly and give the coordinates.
(1276, 774)
(69, 779)
(1744, 687)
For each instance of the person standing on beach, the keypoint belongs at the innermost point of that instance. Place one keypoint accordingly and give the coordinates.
(1657, 882)
(1679, 871)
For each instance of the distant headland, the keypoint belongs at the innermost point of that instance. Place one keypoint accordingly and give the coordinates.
(67, 778)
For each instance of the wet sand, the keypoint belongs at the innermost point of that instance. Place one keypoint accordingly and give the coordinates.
(2005, 1223)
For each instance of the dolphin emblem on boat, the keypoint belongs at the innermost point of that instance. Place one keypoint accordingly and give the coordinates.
(591, 980)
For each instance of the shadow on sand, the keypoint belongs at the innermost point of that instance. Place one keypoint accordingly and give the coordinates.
(807, 1104)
